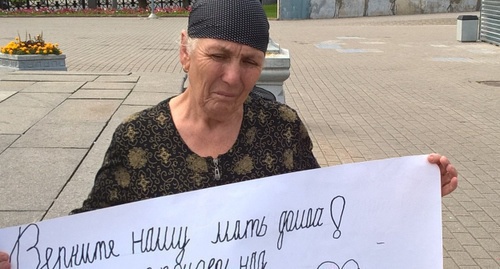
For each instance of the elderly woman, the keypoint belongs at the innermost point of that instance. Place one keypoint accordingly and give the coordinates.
(216, 132)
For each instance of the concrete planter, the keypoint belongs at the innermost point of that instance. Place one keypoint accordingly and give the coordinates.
(276, 70)
(34, 62)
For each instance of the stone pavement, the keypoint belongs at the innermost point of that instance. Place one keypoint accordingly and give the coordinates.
(367, 88)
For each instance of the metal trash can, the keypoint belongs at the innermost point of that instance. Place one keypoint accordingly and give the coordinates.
(467, 28)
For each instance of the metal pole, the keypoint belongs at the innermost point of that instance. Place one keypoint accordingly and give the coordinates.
(152, 15)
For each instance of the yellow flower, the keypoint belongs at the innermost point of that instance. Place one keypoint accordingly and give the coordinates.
(30, 46)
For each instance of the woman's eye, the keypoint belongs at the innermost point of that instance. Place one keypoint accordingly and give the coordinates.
(218, 57)
(251, 62)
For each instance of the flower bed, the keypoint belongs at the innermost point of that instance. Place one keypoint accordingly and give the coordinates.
(96, 12)
(32, 54)
(30, 46)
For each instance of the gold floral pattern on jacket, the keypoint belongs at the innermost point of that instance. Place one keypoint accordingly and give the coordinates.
(137, 158)
(147, 157)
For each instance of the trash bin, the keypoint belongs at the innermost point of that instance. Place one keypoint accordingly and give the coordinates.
(467, 28)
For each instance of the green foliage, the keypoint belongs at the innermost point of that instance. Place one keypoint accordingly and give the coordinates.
(271, 11)
(16, 3)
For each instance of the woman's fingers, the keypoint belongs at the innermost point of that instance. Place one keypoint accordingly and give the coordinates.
(449, 174)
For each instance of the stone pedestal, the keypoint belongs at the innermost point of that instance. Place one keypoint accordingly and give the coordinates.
(276, 70)
(34, 62)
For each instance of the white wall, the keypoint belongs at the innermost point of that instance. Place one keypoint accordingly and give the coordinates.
(320, 9)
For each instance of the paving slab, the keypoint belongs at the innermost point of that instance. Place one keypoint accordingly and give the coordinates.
(57, 135)
(48, 87)
(34, 177)
(168, 82)
(6, 141)
(4, 70)
(14, 218)
(43, 100)
(70, 73)
(81, 111)
(14, 85)
(146, 98)
(6, 94)
(120, 79)
(43, 77)
(78, 188)
(23, 110)
(100, 94)
(123, 112)
(108, 86)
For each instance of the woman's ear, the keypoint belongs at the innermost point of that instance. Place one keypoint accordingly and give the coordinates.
(183, 52)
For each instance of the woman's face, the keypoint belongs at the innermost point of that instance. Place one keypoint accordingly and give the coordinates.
(221, 74)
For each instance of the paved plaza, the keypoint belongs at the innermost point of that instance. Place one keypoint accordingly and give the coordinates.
(367, 89)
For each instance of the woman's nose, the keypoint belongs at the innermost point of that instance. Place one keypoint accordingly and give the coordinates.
(232, 73)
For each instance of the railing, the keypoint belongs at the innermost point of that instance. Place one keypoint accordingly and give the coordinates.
(84, 4)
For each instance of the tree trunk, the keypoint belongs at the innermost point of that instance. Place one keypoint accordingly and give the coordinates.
(143, 3)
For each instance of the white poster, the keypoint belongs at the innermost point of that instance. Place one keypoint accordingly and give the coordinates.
(378, 214)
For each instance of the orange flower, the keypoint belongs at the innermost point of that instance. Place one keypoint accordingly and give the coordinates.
(31, 46)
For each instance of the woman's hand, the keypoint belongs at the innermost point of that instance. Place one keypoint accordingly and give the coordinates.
(449, 175)
(4, 261)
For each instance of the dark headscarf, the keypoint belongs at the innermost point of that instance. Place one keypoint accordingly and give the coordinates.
(239, 21)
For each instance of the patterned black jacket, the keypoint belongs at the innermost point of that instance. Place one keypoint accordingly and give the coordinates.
(147, 158)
